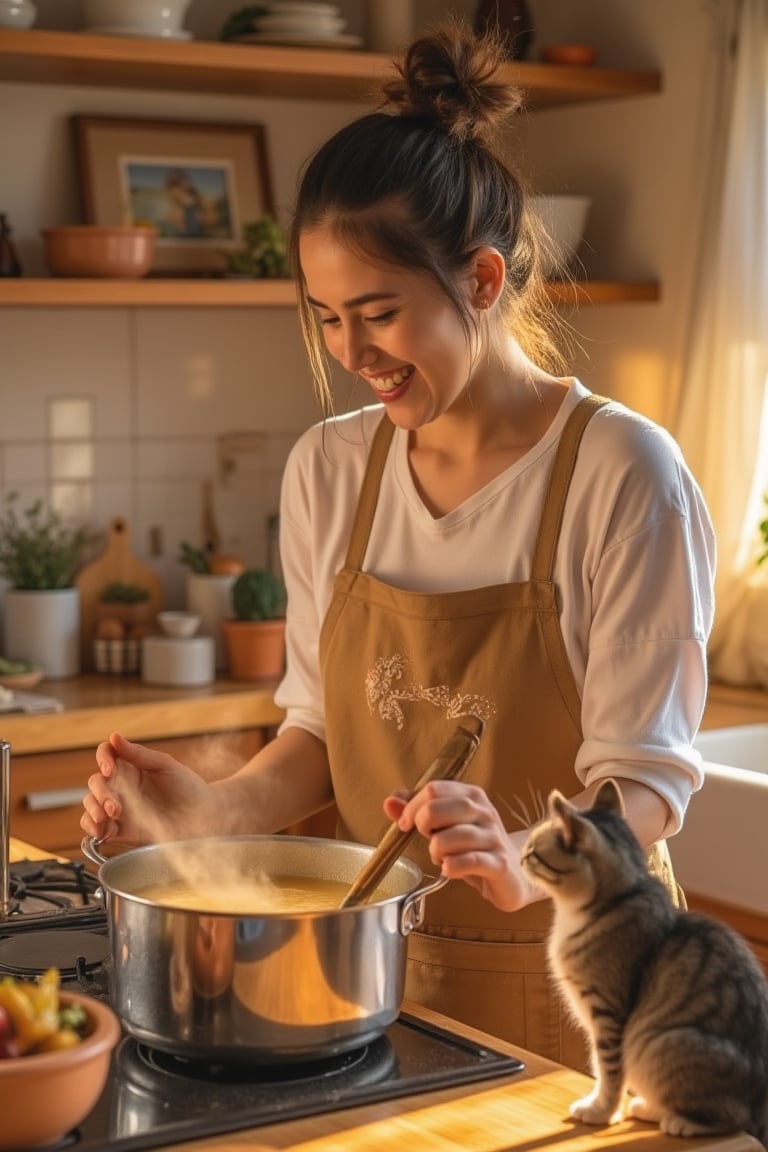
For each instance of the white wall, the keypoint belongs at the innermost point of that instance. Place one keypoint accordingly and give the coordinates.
(164, 385)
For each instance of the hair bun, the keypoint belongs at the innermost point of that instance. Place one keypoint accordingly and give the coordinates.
(454, 77)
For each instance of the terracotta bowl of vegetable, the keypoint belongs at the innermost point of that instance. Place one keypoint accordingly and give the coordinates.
(55, 1049)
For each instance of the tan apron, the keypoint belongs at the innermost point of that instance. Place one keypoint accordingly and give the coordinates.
(399, 670)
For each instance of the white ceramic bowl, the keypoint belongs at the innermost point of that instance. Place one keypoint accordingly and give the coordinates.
(140, 17)
(17, 13)
(564, 219)
(178, 624)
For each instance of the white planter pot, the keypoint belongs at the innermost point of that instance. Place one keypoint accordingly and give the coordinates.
(211, 598)
(44, 628)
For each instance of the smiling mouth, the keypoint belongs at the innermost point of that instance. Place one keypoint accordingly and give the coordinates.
(389, 383)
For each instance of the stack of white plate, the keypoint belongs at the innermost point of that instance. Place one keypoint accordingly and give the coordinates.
(301, 23)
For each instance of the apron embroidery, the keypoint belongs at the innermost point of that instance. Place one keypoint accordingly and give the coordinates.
(379, 690)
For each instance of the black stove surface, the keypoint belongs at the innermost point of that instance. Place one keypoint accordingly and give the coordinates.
(153, 1099)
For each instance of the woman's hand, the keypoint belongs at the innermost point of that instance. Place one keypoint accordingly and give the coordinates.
(141, 796)
(467, 840)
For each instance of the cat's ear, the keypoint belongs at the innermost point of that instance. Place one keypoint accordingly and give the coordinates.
(564, 815)
(610, 798)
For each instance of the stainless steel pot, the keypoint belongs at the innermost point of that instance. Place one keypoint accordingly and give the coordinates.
(300, 986)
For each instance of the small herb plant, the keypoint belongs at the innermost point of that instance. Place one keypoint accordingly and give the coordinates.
(241, 22)
(124, 593)
(264, 254)
(38, 551)
(257, 594)
(196, 559)
(206, 562)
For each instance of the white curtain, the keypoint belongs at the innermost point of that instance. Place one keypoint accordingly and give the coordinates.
(722, 424)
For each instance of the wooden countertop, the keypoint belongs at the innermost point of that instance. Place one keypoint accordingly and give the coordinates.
(140, 711)
(730, 704)
(525, 1112)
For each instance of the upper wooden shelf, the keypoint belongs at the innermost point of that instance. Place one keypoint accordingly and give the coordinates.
(38, 57)
(154, 293)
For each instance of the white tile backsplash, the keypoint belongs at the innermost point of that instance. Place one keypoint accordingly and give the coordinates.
(161, 392)
(206, 371)
(25, 463)
(70, 418)
(71, 461)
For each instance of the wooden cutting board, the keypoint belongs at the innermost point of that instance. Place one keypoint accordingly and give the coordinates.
(117, 563)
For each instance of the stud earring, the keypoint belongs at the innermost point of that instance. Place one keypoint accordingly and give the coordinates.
(483, 303)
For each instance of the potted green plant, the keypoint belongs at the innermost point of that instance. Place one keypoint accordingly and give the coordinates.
(763, 530)
(264, 254)
(255, 638)
(40, 556)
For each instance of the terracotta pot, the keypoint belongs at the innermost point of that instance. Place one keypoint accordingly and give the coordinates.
(255, 648)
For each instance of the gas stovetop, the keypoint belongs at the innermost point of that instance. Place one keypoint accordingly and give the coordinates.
(153, 1099)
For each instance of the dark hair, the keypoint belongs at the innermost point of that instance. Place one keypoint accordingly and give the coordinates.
(430, 162)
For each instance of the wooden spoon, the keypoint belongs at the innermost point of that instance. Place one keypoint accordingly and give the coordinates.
(449, 764)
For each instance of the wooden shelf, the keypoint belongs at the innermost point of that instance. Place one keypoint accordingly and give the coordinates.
(157, 293)
(39, 57)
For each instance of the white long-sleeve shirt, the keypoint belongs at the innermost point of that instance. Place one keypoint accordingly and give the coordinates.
(634, 572)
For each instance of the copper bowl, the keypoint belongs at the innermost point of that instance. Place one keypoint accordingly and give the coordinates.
(88, 250)
(572, 55)
(47, 1094)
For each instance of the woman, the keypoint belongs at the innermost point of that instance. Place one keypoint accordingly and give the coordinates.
(486, 539)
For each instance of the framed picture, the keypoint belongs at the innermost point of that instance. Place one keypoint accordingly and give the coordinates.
(197, 184)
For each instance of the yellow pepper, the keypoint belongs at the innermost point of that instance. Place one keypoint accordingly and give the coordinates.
(33, 1010)
(21, 1013)
(63, 1038)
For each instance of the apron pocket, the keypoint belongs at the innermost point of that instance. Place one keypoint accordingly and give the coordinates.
(501, 988)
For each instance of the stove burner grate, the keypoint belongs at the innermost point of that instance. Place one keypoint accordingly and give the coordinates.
(370, 1056)
(47, 892)
(76, 954)
(64, 884)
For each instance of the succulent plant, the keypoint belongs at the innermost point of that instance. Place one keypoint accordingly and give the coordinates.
(257, 594)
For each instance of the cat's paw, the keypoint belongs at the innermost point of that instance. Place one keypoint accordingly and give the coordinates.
(676, 1125)
(640, 1109)
(592, 1110)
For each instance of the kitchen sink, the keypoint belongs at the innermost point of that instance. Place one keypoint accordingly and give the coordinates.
(722, 850)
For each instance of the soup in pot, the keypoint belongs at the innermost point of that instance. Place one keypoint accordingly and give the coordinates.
(252, 895)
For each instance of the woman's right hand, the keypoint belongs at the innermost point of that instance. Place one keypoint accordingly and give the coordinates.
(142, 796)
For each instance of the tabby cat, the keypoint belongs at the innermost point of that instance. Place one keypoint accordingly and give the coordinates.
(674, 1003)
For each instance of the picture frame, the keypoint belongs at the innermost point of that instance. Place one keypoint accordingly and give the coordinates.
(198, 183)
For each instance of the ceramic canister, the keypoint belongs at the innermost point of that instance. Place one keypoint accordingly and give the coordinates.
(178, 662)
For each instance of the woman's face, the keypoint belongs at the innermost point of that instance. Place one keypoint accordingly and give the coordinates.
(394, 328)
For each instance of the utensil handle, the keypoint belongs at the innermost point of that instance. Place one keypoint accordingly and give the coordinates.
(449, 764)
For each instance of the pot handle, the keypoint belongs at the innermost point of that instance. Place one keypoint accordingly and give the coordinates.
(412, 913)
(89, 846)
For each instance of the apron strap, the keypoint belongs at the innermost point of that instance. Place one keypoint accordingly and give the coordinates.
(369, 494)
(554, 501)
(559, 482)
